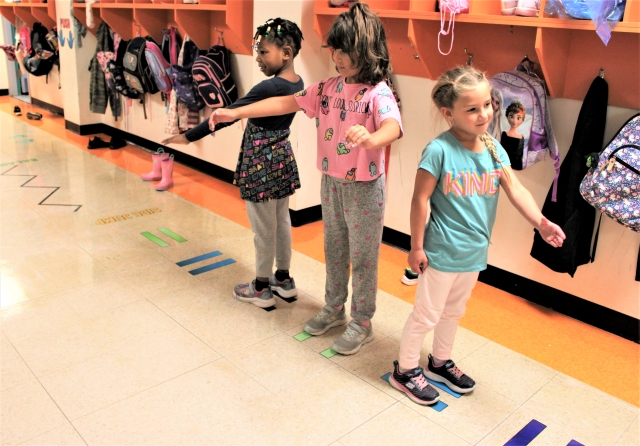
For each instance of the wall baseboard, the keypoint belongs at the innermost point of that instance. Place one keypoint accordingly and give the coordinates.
(593, 314)
(46, 106)
(83, 130)
(4, 92)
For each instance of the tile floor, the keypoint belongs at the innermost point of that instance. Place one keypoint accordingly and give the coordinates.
(105, 340)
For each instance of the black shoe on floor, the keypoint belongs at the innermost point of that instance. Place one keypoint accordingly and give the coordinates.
(17, 111)
(414, 384)
(409, 277)
(117, 143)
(34, 116)
(97, 143)
(450, 375)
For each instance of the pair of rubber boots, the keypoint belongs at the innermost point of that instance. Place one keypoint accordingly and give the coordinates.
(162, 170)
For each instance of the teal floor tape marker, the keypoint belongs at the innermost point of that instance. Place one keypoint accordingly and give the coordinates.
(173, 235)
(438, 407)
(444, 387)
(329, 353)
(302, 336)
(154, 239)
(204, 269)
(199, 258)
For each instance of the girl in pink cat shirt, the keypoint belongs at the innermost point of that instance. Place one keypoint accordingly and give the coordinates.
(356, 116)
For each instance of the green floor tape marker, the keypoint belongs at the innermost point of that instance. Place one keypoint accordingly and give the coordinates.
(302, 336)
(173, 235)
(154, 239)
(329, 353)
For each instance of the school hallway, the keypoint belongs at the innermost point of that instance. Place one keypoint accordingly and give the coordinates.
(119, 326)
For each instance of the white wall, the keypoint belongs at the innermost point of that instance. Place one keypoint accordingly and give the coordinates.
(5, 65)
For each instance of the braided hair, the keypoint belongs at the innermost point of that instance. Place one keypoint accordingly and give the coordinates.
(448, 89)
(280, 32)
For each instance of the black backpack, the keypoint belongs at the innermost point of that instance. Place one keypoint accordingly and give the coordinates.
(42, 56)
(212, 75)
(137, 73)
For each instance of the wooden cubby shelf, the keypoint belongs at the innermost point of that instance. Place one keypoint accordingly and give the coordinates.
(203, 22)
(569, 52)
(30, 12)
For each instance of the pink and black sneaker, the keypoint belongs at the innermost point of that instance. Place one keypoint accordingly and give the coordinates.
(414, 384)
(450, 375)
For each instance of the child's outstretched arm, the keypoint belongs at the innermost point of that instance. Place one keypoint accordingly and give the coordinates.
(424, 186)
(276, 106)
(522, 200)
(358, 135)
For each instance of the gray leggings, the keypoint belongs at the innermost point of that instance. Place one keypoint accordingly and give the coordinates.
(271, 226)
(353, 216)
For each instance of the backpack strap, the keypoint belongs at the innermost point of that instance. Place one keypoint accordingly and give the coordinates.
(638, 267)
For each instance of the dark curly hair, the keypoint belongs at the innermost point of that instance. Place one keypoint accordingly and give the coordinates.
(280, 32)
(360, 34)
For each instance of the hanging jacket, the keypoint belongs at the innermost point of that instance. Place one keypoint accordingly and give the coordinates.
(99, 93)
(574, 215)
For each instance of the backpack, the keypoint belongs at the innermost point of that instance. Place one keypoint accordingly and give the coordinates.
(159, 67)
(212, 76)
(42, 57)
(10, 51)
(183, 84)
(171, 44)
(116, 68)
(613, 184)
(137, 72)
(524, 86)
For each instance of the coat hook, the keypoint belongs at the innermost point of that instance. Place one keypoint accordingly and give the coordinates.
(601, 73)
(415, 56)
(470, 59)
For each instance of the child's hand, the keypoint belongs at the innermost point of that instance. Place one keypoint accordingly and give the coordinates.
(175, 139)
(358, 135)
(221, 115)
(551, 233)
(418, 261)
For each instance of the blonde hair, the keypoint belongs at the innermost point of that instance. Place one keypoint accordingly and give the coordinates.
(451, 85)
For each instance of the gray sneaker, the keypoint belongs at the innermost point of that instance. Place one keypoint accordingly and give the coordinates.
(328, 318)
(353, 338)
(286, 288)
(246, 292)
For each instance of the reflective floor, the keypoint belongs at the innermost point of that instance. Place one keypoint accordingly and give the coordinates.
(109, 338)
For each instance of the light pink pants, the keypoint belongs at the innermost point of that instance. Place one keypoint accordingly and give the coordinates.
(441, 300)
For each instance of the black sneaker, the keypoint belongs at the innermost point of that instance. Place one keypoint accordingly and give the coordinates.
(414, 384)
(117, 143)
(34, 116)
(450, 375)
(409, 277)
(17, 111)
(97, 143)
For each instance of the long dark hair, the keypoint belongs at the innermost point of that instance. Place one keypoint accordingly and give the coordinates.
(280, 32)
(360, 34)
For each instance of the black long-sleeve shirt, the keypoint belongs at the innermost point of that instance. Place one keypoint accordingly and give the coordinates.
(275, 86)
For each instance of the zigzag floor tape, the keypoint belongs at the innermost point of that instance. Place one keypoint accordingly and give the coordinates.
(42, 203)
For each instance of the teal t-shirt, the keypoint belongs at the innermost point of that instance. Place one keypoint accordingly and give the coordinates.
(463, 204)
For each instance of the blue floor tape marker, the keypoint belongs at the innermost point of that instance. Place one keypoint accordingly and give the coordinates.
(204, 269)
(574, 443)
(438, 407)
(526, 434)
(444, 387)
(199, 258)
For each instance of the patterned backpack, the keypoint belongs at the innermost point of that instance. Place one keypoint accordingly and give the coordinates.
(111, 65)
(212, 75)
(137, 72)
(523, 86)
(613, 185)
(183, 84)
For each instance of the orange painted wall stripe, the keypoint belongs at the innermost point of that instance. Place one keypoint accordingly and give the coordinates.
(593, 356)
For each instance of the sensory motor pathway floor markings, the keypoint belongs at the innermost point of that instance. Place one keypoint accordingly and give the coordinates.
(42, 202)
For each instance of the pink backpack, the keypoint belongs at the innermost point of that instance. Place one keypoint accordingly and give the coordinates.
(159, 67)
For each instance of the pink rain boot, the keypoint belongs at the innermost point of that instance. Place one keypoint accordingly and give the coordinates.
(156, 172)
(167, 174)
